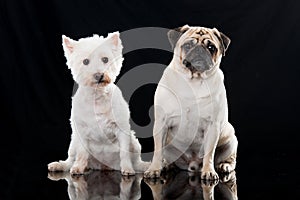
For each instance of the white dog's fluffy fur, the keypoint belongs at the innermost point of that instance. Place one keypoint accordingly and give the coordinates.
(102, 138)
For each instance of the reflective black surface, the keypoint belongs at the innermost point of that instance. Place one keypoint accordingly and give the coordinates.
(179, 185)
(255, 178)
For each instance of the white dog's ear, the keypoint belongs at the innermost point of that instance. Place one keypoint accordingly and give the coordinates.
(68, 45)
(115, 40)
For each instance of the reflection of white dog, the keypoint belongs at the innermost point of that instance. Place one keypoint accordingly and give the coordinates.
(100, 185)
(191, 126)
(101, 137)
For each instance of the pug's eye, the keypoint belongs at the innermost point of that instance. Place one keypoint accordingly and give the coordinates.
(212, 48)
(187, 46)
(104, 59)
(86, 61)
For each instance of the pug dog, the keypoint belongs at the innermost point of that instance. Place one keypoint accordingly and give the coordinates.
(191, 128)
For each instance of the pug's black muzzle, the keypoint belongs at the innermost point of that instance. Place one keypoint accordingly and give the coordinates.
(198, 59)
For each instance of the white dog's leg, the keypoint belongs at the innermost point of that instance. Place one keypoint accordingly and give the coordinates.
(159, 131)
(141, 166)
(81, 159)
(65, 165)
(125, 158)
(210, 142)
(138, 164)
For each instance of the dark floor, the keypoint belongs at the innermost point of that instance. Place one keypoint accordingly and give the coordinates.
(255, 178)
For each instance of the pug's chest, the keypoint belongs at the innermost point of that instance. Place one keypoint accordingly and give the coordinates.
(190, 135)
(191, 111)
(190, 122)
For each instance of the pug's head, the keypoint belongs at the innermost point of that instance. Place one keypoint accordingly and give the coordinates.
(198, 49)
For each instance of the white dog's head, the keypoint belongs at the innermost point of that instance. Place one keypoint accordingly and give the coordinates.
(94, 61)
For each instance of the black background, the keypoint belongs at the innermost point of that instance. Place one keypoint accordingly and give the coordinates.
(261, 76)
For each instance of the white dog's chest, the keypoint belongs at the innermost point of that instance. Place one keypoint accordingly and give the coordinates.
(93, 120)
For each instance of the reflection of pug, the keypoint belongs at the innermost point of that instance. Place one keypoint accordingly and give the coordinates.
(182, 186)
(100, 185)
(191, 126)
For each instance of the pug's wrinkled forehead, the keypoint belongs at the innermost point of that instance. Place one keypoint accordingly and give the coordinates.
(202, 35)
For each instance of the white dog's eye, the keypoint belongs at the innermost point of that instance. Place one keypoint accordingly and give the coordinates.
(104, 59)
(86, 61)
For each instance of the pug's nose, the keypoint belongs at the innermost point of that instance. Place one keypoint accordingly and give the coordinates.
(186, 63)
(98, 77)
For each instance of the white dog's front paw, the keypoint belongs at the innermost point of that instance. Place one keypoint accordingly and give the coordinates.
(152, 173)
(209, 174)
(127, 171)
(56, 166)
(77, 170)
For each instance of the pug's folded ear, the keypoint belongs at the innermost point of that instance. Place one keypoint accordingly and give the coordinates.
(224, 40)
(175, 34)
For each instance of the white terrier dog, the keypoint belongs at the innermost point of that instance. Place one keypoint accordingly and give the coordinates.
(102, 138)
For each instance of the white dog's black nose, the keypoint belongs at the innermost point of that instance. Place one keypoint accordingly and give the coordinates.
(98, 77)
